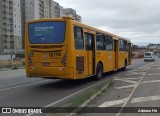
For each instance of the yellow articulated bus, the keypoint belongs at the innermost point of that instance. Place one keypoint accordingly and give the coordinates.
(67, 49)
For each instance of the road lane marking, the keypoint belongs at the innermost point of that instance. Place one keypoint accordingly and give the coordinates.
(154, 74)
(146, 99)
(125, 80)
(12, 72)
(123, 87)
(13, 76)
(112, 103)
(154, 81)
(134, 78)
(2, 75)
(22, 85)
(136, 73)
(155, 65)
(140, 70)
(131, 94)
(155, 68)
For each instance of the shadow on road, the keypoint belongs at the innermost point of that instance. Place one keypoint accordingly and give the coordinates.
(70, 84)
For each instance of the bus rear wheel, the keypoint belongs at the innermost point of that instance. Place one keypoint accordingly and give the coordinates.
(124, 68)
(99, 71)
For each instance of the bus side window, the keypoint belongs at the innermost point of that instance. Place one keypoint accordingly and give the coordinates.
(125, 45)
(109, 43)
(78, 38)
(89, 41)
(100, 41)
(122, 45)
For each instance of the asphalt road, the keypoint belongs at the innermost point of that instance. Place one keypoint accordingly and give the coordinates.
(136, 88)
(18, 91)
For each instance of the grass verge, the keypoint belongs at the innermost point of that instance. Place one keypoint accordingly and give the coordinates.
(77, 101)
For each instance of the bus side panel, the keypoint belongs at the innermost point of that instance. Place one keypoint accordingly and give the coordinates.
(122, 57)
(116, 45)
(26, 49)
(71, 60)
(101, 57)
(79, 57)
(110, 61)
(80, 64)
(114, 60)
(129, 54)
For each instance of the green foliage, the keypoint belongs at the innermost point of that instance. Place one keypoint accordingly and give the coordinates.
(80, 99)
(14, 67)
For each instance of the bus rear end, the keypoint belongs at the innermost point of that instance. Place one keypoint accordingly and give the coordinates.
(46, 49)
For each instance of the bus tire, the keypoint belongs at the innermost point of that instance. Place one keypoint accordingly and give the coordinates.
(125, 64)
(99, 71)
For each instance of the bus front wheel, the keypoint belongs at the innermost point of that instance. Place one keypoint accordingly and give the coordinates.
(99, 71)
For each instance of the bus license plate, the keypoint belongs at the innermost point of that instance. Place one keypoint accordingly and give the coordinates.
(45, 64)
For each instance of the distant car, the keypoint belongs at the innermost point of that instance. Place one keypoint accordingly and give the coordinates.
(149, 56)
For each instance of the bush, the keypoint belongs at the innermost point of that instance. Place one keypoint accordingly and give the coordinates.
(23, 63)
(14, 67)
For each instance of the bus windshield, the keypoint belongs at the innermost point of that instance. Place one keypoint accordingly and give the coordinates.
(47, 32)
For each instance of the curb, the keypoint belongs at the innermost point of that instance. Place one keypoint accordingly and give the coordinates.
(90, 99)
(4, 69)
(7, 69)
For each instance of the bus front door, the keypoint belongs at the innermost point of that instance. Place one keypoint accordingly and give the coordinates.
(90, 53)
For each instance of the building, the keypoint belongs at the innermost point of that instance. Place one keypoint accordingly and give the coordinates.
(52, 9)
(71, 12)
(14, 14)
(10, 26)
(47, 6)
(34, 9)
(61, 11)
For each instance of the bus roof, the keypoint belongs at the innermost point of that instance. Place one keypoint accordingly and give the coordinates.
(115, 37)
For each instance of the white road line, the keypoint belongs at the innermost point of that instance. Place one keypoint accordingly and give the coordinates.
(125, 80)
(154, 81)
(155, 68)
(132, 73)
(8, 76)
(134, 78)
(123, 87)
(155, 65)
(22, 85)
(137, 73)
(12, 72)
(144, 99)
(140, 70)
(154, 74)
(112, 103)
(131, 94)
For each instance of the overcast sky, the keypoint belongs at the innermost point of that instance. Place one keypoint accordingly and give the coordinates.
(138, 20)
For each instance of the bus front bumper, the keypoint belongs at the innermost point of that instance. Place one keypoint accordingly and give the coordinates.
(50, 72)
